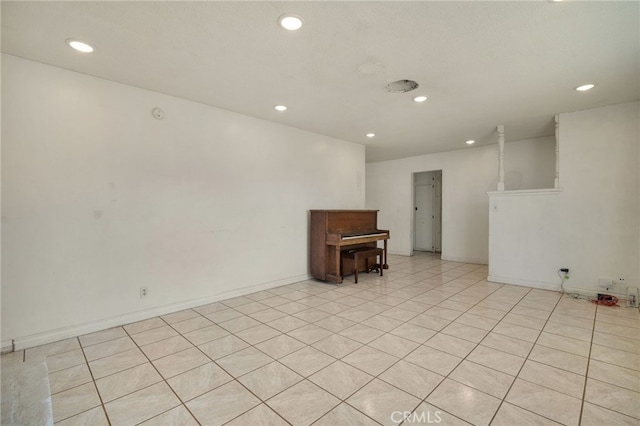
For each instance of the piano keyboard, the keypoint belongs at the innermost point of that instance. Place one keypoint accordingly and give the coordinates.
(352, 237)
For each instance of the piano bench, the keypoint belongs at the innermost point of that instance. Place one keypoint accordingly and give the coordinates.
(363, 252)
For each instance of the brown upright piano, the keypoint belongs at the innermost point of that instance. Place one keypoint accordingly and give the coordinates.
(332, 231)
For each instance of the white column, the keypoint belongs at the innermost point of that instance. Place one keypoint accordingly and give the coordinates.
(556, 181)
(501, 158)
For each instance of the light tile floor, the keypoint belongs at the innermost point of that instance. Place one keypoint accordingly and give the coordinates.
(431, 341)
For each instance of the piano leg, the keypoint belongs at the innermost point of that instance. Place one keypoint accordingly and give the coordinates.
(385, 266)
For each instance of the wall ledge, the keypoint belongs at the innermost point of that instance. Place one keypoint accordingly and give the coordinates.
(525, 192)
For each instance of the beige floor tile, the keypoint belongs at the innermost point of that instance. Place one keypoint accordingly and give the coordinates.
(510, 415)
(571, 321)
(516, 331)
(238, 324)
(267, 315)
(568, 331)
(616, 342)
(311, 315)
(444, 313)
(191, 324)
(525, 321)
(127, 381)
(260, 415)
(379, 400)
(286, 305)
(270, 380)
(340, 379)
(594, 415)
(287, 324)
(310, 333)
(566, 344)
(507, 344)
(430, 414)
(618, 330)
(251, 308)
(450, 344)
(179, 316)
(65, 360)
(434, 360)
(154, 335)
(222, 404)
(495, 311)
(337, 346)
(381, 322)
(74, 401)
(616, 357)
(361, 333)
(176, 416)
(430, 322)
(613, 397)
(559, 359)
(333, 307)
(531, 312)
(180, 362)
(394, 345)
(477, 321)
(303, 403)
(236, 301)
(223, 346)
(145, 325)
(198, 381)
(496, 359)
(487, 380)
(413, 332)
(210, 308)
(244, 361)
(545, 402)
(466, 332)
(69, 378)
(115, 363)
(224, 315)
(51, 349)
(280, 346)
(553, 378)
(412, 379)
(307, 361)
(93, 417)
(334, 323)
(108, 348)
(464, 402)
(370, 360)
(257, 334)
(344, 414)
(102, 336)
(615, 375)
(166, 347)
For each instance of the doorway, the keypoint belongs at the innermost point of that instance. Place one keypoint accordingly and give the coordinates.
(427, 219)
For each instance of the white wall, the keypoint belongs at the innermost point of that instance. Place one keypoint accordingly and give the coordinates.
(467, 175)
(592, 225)
(100, 199)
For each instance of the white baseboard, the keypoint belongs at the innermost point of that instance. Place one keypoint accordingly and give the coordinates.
(585, 292)
(51, 336)
(464, 259)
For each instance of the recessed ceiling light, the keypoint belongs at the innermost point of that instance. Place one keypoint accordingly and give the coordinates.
(80, 46)
(280, 108)
(420, 98)
(585, 87)
(370, 135)
(470, 142)
(290, 22)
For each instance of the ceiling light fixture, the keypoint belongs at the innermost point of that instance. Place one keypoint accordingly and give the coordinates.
(370, 135)
(401, 86)
(420, 99)
(470, 142)
(585, 87)
(290, 22)
(80, 46)
(280, 108)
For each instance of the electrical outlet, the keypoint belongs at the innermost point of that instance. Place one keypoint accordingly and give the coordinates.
(621, 281)
(144, 292)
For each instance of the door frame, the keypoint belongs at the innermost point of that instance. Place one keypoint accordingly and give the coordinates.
(412, 232)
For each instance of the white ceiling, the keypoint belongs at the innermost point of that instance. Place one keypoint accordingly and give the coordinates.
(480, 63)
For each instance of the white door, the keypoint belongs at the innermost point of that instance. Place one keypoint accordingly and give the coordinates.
(424, 217)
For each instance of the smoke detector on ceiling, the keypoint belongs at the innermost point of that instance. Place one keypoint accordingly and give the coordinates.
(402, 86)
